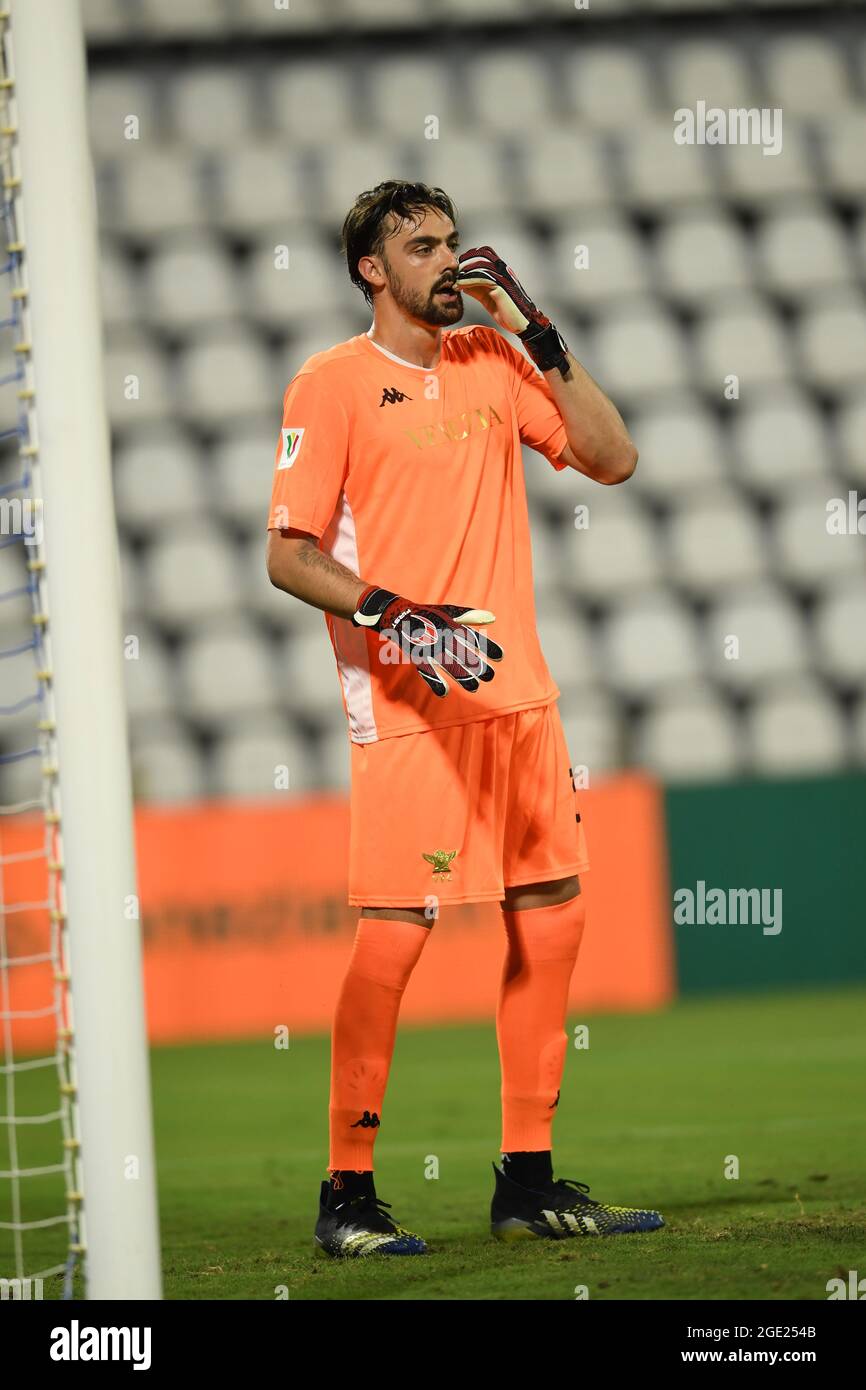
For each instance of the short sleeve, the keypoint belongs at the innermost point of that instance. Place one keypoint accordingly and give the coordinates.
(312, 456)
(538, 418)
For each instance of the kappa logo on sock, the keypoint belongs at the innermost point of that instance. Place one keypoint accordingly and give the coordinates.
(368, 1121)
(555, 1103)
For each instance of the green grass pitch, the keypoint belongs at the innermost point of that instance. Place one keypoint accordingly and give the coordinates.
(648, 1117)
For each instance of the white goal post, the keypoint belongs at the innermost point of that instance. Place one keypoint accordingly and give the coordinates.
(56, 216)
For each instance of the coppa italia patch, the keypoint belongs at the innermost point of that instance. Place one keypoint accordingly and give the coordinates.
(291, 447)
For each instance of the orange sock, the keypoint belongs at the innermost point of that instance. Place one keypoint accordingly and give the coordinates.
(363, 1032)
(543, 943)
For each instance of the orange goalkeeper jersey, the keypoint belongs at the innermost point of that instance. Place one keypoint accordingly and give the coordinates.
(412, 477)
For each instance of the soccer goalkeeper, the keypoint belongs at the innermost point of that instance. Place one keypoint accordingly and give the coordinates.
(399, 509)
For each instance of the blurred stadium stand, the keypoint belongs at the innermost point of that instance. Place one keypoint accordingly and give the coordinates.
(258, 127)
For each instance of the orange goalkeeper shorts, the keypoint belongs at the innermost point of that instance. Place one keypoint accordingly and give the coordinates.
(459, 814)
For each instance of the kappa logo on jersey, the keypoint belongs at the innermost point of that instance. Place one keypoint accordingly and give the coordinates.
(391, 396)
(291, 447)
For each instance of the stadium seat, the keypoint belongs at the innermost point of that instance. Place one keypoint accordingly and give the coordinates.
(638, 352)
(752, 178)
(379, 14)
(690, 735)
(649, 643)
(131, 584)
(194, 19)
(158, 478)
(240, 471)
(858, 730)
(114, 97)
(807, 553)
(805, 74)
(840, 622)
(105, 21)
(402, 93)
(659, 173)
(715, 541)
(710, 71)
(568, 648)
(191, 575)
(212, 106)
(609, 86)
(617, 553)
(510, 91)
(226, 670)
(118, 282)
(353, 163)
(260, 186)
(307, 675)
(612, 265)
(332, 762)
(801, 251)
(155, 190)
(779, 439)
(681, 449)
(189, 281)
(769, 634)
(470, 167)
(595, 733)
(251, 759)
(795, 729)
(224, 374)
(741, 338)
(841, 140)
(149, 675)
(318, 336)
(138, 386)
(167, 767)
(832, 342)
(851, 436)
(564, 172)
(305, 17)
(314, 284)
(311, 103)
(702, 255)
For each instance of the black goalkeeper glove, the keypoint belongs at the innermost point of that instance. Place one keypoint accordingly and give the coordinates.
(433, 636)
(488, 279)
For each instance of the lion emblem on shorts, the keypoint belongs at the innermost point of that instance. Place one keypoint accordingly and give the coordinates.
(441, 861)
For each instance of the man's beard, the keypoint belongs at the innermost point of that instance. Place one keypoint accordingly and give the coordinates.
(427, 308)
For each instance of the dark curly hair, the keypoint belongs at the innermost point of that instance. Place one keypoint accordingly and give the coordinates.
(365, 229)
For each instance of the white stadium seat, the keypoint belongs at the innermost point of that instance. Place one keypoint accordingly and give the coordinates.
(805, 74)
(149, 675)
(470, 167)
(167, 768)
(568, 649)
(191, 575)
(307, 675)
(138, 385)
(650, 643)
(741, 338)
(715, 541)
(851, 435)
(779, 439)
(225, 671)
(841, 140)
(211, 107)
(260, 185)
(510, 91)
(618, 551)
(660, 173)
(832, 342)
(313, 284)
(801, 251)
(252, 758)
(158, 189)
(564, 172)
(638, 352)
(754, 178)
(710, 71)
(701, 256)
(114, 97)
(840, 622)
(681, 449)
(795, 729)
(189, 280)
(753, 634)
(118, 283)
(595, 733)
(690, 735)
(609, 86)
(311, 102)
(611, 267)
(354, 163)
(263, 599)
(401, 94)
(225, 373)
(158, 479)
(808, 554)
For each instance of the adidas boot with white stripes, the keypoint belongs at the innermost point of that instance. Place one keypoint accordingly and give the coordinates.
(558, 1210)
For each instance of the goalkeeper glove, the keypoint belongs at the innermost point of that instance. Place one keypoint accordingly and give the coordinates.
(488, 279)
(434, 636)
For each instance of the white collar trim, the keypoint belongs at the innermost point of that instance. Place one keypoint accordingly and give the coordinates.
(402, 360)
